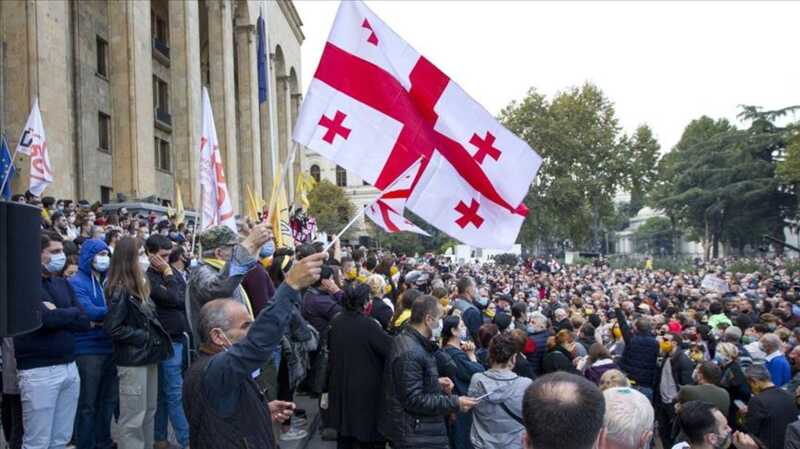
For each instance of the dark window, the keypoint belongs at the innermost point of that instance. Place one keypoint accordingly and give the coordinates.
(102, 56)
(162, 154)
(160, 95)
(105, 194)
(160, 34)
(315, 172)
(341, 176)
(104, 132)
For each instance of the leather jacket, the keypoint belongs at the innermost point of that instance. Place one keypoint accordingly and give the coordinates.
(138, 338)
(414, 405)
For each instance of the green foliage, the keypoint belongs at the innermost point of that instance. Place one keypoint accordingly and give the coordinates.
(639, 157)
(671, 264)
(578, 136)
(654, 236)
(330, 207)
(719, 181)
(748, 266)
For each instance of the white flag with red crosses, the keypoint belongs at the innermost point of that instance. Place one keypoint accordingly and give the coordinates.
(387, 211)
(215, 202)
(376, 106)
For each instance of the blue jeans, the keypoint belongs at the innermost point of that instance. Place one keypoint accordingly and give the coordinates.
(97, 401)
(170, 405)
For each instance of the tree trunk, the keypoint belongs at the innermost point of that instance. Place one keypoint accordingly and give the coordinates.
(706, 243)
(777, 233)
(715, 246)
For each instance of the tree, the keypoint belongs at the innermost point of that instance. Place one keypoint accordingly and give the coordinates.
(578, 136)
(330, 207)
(640, 157)
(654, 236)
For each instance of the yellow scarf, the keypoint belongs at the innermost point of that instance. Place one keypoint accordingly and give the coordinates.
(219, 264)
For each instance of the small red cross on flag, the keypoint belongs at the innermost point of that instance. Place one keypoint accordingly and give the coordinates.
(373, 38)
(469, 214)
(484, 147)
(335, 127)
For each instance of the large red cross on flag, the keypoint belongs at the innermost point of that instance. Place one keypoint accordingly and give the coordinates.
(376, 106)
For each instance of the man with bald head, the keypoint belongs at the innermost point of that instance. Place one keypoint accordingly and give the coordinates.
(562, 411)
(223, 404)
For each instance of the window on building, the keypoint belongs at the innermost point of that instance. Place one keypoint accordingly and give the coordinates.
(102, 56)
(104, 132)
(105, 194)
(315, 172)
(341, 176)
(160, 34)
(162, 154)
(160, 95)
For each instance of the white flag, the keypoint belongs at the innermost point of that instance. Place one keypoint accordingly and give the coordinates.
(33, 143)
(215, 202)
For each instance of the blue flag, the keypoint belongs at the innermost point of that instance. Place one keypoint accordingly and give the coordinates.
(261, 59)
(6, 169)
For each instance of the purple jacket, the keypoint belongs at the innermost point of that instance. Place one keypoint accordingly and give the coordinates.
(319, 307)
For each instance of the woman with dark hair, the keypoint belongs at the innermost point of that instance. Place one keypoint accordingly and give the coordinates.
(461, 351)
(599, 362)
(139, 344)
(497, 419)
(356, 340)
(485, 335)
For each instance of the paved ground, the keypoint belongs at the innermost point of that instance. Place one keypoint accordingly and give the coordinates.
(314, 440)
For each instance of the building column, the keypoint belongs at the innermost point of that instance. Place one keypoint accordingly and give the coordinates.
(221, 88)
(37, 62)
(295, 99)
(131, 76)
(184, 20)
(247, 94)
(282, 116)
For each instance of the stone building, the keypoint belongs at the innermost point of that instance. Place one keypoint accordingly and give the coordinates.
(119, 85)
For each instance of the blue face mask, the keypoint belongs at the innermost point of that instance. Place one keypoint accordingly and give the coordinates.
(481, 301)
(267, 250)
(101, 263)
(56, 263)
(795, 310)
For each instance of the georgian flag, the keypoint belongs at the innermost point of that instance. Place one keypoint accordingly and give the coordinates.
(387, 211)
(376, 106)
(33, 143)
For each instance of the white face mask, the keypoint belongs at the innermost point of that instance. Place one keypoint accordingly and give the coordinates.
(462, 333)
(436, 332)
(101, 263)
(144, 263)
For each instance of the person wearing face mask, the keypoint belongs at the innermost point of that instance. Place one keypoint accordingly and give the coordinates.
(467, 294)
(48, 377)
(223, 403)
(257, 283)
(139, 341)
(776, 361)
(415, 398)
(226, 261)
(706, 377)
(676, 371)
(705, 427)
(165, 293)
(497, 422)
(770, 410)
(537, 331)
(98, 397)
(733, 378)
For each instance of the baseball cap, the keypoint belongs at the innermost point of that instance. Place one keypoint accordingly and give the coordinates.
(217, 236)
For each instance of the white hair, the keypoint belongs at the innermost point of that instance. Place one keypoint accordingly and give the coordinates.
(539, 321)
(629, 416)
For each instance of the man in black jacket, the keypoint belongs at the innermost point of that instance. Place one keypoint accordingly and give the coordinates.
(770, 410)
(640, 357)
(48, 377)
(170, 308)
(416, 399)
(676, 371)
(223, 404)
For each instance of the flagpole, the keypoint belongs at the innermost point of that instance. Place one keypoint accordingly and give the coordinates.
(284, 173)
(10, 166)
(364, 208)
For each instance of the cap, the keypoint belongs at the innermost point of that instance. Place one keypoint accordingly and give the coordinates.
(217, 236)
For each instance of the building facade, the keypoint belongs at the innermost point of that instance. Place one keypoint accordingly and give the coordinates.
(119, 84)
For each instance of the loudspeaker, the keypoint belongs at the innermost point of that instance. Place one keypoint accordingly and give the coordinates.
(20, 268)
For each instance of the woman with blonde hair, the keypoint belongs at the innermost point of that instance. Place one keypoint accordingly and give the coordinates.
(379, 307)
(139, 344)
(733, 379)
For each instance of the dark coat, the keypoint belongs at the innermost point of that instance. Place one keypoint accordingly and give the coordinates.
(640, 357)
(136, 334)
(414, 405)
(319, 308)
(768, 415)
(537, 356)
(358, 341)
(381, 312)
(464, 369)
(735, 383)
(558, 360)
(170, 305)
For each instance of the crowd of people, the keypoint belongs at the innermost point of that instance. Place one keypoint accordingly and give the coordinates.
(140, 336)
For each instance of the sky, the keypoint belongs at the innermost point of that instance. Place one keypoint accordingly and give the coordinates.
(660, 63)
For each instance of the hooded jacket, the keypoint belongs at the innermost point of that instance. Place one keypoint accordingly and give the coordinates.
(89, 294)
(492, 426)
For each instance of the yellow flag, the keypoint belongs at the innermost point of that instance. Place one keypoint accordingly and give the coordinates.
(180, 213)
(279, 217)
(252, 205)
(305, 184)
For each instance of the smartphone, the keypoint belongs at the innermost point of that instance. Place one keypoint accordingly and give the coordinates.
(482, 397)
(739, 404)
